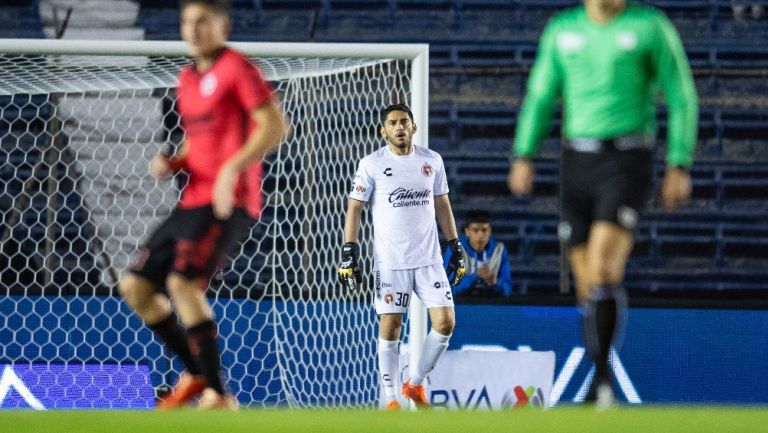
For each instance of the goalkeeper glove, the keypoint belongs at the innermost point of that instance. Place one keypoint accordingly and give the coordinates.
(349, 271)
(456, 263)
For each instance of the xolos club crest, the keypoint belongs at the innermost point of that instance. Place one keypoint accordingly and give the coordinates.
(426, 169)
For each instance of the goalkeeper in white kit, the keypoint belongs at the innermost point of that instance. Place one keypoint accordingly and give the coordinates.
(407, 188)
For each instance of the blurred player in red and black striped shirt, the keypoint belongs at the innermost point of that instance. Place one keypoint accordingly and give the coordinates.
(232, 121)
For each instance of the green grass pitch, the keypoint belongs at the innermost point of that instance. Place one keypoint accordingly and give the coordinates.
(646, 419)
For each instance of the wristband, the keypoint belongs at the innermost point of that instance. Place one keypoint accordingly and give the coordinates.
(176, 163)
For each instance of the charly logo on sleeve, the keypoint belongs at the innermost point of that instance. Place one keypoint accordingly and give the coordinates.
(402, 197)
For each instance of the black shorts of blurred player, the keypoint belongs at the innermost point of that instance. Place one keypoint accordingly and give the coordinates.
(192, 243)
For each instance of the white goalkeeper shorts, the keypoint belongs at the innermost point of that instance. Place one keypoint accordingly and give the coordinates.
(394, 288)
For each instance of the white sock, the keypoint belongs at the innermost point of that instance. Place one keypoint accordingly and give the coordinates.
(434, 347)
(389, 367)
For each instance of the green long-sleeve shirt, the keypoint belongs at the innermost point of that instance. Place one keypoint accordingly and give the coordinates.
(609, 76)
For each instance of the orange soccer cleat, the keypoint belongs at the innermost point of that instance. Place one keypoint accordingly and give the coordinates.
(213, 400)
(187, 388)
(393, 406)
(416, 394)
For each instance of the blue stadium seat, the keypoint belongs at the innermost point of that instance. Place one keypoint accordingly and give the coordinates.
(20, 20)
(684, 6)
(362, 5)
(291, 4)
(737, 55)
(428, 5)
(494, 5)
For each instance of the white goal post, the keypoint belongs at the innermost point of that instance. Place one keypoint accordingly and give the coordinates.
(79, 121)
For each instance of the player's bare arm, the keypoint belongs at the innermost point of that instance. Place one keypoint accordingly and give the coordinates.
(352, 221)
(264, 140)
(444, 215)
(349, 271)
(273, 128)
(447, 224)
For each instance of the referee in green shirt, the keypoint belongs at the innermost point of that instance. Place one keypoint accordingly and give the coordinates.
(607, 60)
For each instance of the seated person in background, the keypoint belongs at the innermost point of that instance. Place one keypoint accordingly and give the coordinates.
(487, 260)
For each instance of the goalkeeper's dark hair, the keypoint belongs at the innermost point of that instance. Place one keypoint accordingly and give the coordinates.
(396, 107)
(219, 6)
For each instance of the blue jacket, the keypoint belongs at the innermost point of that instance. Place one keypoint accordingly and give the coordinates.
(495, 259)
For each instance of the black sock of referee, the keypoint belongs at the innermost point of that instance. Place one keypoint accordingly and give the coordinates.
(175, 338)
(601, 316)
(202, 342)
(605, 318)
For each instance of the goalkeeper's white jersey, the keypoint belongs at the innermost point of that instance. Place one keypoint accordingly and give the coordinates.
(402, 190)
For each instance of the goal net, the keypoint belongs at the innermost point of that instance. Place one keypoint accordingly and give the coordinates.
(79, 125)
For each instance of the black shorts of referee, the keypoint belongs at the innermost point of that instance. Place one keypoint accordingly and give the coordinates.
(603, 180)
